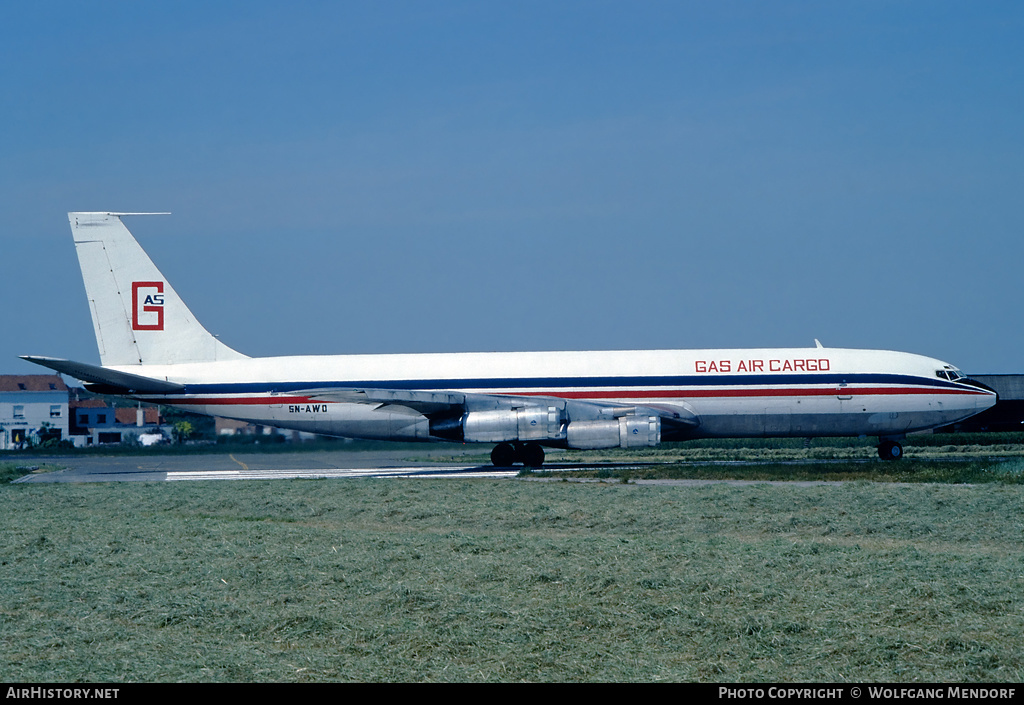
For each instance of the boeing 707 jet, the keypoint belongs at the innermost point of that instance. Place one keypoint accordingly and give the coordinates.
(153, 349)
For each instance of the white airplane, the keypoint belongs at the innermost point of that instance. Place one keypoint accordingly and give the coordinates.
(153, 349)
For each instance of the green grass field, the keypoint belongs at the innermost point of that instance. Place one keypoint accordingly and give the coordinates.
(509, 580)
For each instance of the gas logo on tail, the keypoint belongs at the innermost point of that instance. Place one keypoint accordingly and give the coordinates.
(147, 305)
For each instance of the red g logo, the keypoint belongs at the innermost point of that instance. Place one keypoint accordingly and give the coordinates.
(147, 305)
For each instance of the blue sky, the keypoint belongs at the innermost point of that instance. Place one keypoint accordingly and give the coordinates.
(450, 176)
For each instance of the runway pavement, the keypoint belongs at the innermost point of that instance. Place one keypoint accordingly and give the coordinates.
(305, 465)
(255, 466)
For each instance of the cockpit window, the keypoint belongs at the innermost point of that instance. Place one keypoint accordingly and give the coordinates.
(950, 373)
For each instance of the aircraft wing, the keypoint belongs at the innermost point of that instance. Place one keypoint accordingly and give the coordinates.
(428, 403)
(447, 403)
(119, 381)
(423, 402)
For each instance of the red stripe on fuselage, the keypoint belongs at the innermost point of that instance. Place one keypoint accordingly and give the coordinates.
(732, 393)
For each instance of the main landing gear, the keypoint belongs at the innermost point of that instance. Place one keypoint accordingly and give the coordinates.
(530, 455)
(890, 450)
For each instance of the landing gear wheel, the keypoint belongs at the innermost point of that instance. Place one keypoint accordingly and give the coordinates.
(503, 455)
(531, 455)
(890, 450)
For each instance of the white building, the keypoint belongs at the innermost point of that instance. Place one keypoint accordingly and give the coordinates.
(32, 408)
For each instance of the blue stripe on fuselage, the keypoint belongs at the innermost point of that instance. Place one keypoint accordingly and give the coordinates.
(556, 383)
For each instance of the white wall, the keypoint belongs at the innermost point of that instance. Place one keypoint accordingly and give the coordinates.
(35, 412)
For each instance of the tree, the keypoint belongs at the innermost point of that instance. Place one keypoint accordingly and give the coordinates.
(182, 431)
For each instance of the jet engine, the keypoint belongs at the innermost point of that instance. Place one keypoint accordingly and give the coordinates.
(533, 423)
(624, 432)
(549, 424)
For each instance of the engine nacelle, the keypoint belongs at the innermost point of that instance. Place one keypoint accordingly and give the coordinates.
(624, 432)
(534, 423)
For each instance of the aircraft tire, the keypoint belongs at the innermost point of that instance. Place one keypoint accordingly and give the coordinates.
(531, 455)
(503, 455)
(890, 450)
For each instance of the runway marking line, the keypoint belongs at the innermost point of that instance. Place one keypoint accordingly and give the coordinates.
(410, 472)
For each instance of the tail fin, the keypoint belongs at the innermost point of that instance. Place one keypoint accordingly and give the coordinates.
(138, 317)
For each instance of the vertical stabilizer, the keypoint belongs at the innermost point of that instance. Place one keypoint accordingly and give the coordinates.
(138, 317)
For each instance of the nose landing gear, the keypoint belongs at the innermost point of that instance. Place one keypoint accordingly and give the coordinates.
(890, 450)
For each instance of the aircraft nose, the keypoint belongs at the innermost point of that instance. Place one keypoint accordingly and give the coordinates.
(992, 397)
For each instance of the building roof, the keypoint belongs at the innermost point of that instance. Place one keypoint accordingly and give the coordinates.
(222, 424)
(127, 415)
(89, 404)
(32, 383)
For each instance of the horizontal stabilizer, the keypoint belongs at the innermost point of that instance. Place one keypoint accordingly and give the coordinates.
(102, 375)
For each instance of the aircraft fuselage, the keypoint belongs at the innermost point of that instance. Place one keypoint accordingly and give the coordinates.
(732, 393)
